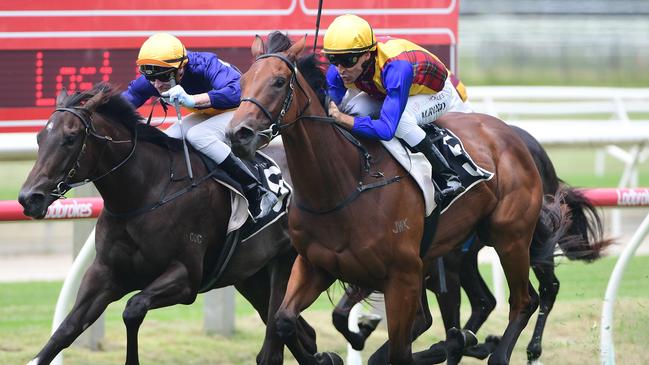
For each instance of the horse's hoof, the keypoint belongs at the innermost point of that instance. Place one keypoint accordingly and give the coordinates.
(435, 354)
(492, 340)
(470, 338)
(534, 353)
(457, 340)
(328, 358)
(480, 352)
(369, 321)
(367, 324)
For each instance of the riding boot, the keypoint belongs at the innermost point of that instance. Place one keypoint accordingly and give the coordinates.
(253, 190)
(441, 167)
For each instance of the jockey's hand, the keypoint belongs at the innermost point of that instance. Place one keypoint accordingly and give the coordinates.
(341, 118)
(177, 93)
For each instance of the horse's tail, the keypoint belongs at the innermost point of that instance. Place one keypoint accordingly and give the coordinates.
(567, 218)
(552, 227)
(584, 239)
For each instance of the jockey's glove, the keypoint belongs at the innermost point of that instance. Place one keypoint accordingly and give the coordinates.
(177, 93)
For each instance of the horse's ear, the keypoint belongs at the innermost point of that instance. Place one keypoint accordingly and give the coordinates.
(60, 99)
(258, 47)
(297, 48)
(99, 99)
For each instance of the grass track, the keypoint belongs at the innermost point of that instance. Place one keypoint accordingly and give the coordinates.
(174, 335)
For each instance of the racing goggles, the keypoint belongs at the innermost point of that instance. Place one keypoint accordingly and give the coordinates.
(153, 72)
(345, 60)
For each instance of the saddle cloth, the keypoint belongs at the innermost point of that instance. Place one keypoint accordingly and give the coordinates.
(270, 176)
(452, 148)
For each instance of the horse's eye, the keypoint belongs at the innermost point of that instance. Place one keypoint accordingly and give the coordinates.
(279, 82)
(68, 140)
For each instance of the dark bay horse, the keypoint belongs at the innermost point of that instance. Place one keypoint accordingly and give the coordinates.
(372, 239)
(578, 233)
(158, 234)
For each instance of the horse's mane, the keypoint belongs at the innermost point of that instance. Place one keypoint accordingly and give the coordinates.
(120, 110)
(310, 66)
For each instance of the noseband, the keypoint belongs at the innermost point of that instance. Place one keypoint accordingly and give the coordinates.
(85, 117)
(276, 123)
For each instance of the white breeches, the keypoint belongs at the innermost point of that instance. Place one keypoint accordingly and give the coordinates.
(420, 110)
(206, 133)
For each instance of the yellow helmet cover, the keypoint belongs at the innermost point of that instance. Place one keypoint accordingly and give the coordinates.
(349, 34)
(162, 49)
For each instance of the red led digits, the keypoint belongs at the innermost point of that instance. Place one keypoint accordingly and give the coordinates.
(72, 78)
(106, 70)
(38, 85)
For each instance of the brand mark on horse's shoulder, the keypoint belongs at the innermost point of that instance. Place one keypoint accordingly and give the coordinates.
(195, 238)
(401, 226)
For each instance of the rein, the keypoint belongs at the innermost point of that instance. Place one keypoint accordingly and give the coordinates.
(64, 186)
(276, 127)
(86, 118)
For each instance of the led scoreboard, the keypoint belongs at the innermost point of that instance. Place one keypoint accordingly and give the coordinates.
(46, 46)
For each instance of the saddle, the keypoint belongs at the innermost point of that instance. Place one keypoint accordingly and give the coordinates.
(241, 226)
(450, 145)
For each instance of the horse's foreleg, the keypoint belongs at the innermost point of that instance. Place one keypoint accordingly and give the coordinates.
(449, 305)
(449, 301)
(306, 335)
(340, 317)
(403, 294)
(97, 290)
(172, 287)
(265, 291)
(481, 299)
(305, 285)
(548, 290)
(515, 260)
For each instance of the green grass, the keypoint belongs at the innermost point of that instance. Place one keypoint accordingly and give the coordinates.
(174, 335)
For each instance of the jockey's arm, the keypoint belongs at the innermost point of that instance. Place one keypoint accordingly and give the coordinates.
(139, 91)
(226, 89)
(397, 79)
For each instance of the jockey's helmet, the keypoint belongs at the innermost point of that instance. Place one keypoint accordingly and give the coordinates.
(161, 53)
(349, 34)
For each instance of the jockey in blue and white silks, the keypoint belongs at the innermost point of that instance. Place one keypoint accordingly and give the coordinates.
(210, 88)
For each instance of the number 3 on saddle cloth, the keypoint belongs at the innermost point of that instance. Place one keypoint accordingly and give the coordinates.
(451, 147)
(241, 226)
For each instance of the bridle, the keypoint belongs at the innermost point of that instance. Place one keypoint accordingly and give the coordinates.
(276, 128)
(276, 125)
(85, 116)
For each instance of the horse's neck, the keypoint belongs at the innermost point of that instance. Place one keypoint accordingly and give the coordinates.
(138, 181)
(324, 166)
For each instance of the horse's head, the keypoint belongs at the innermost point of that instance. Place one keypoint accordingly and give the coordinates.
(61, 149)
(269, 89)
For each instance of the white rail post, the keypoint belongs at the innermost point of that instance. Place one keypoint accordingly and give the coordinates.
(92, 337)
(607, 349)
(71, 286)
(219, 311)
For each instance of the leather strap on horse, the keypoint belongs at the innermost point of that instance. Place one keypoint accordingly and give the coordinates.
(361, 187)
(213, 272)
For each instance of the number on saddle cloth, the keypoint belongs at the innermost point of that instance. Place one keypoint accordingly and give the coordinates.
(458, 158)
(268, 173)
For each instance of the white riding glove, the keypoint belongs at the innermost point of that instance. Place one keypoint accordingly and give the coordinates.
(177, 93)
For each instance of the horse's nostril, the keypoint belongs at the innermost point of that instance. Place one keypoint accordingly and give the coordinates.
(30, 200)
(245, 134)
